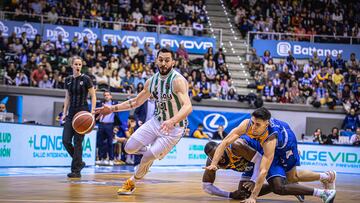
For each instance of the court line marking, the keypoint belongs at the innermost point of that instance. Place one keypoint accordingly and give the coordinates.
(50, 200)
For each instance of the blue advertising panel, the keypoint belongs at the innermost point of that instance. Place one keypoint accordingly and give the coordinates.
(127, 37)
(31, 29)
(304, 50)
(211, 120)
(51, 32)
(196, 45)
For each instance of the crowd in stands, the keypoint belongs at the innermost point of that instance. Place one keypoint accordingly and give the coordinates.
(330, 82)
(181, 17)
(114, 66)
(312, 17)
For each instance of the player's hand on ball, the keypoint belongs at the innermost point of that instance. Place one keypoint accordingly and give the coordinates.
(249, 200)
(211, 168)
(103, 111)
(167, 126)
(249, 185)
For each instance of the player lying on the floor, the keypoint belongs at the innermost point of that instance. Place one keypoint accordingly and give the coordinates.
(241, 156)
(279, 160)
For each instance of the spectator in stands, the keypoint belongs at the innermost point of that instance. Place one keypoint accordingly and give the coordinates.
(317, 136)
(335, 134)
(182, 53)
(351, 121)
(115, 81)
(219, 58)
(133, 50)
(137, 66)
(198, 133)
(102, 81)
(37, 75)
(220, 134)
(204, 86)
(337, 76)
(52, 16)
(209, 68)
(268, 93)
(254, 62)
(266, 57)
(21, 79)
(355, 139)
(45, 82)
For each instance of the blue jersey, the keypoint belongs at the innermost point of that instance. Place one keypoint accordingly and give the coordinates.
(286, 154)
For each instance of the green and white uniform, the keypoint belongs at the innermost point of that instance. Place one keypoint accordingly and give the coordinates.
(167, 105)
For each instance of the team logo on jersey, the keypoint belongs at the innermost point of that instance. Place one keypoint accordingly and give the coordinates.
(212, 121)
(81, 82)
(167, 86)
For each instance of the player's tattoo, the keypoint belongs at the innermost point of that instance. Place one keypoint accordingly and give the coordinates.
(116, 108)
(130, 103)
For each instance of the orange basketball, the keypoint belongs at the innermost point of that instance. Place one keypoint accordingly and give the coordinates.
(83, 122)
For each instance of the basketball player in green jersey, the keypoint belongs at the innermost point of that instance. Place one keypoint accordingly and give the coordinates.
(170, 91)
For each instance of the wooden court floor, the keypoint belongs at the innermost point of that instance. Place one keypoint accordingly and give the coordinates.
(163, 185)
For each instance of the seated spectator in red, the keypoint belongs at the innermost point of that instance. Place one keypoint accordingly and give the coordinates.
(182, 53)
(37, 75)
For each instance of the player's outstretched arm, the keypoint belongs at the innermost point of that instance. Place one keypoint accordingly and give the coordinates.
(269, 150)
(234, 134)
(126, 105)
(208, 183)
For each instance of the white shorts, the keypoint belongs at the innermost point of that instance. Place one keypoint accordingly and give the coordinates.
(149, 134)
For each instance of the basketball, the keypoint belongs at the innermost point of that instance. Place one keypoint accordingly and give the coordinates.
(83, 122)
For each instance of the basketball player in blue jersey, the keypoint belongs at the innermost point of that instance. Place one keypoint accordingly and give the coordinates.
(280, 158)
(244, 155)
(164, 130)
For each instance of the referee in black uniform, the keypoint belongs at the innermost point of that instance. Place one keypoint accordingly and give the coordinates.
(77, 88)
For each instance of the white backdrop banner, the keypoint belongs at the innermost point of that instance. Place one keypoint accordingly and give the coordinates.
(33, 145)
(343, 159)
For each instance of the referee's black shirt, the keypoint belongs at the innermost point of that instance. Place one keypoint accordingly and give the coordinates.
(78, 89)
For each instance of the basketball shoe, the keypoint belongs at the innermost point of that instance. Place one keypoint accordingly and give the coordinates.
(329, 183)
(127, 188)
(328, 196)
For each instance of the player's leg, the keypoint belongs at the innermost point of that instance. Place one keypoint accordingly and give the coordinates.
(68, 134)
(145, 135)
(327, 179)
(109, 135)
(159, 149)
(77, 163)
(277, 180)
(142, 137)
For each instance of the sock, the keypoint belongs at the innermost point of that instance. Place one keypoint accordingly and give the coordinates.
(318, 192)
(324, 176)
(132, 178)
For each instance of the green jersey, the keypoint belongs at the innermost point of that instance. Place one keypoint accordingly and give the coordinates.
(167, 103)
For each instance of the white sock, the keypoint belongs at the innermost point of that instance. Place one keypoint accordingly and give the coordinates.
(132, 178)
(324, 176)
(318, 192)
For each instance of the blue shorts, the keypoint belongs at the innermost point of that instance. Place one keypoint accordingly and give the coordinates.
(252, 143)
(285, 158)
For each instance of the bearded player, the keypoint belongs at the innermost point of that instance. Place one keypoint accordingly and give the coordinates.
(170, 91)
